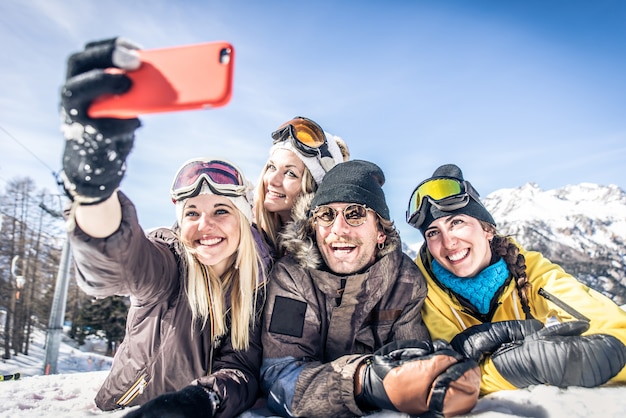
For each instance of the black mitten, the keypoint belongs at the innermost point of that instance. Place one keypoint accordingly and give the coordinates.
(190, 402)
(488, 337)
(418, 377)
(96, 148)
(562, 361)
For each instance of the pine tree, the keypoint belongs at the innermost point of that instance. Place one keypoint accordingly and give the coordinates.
(106, 318)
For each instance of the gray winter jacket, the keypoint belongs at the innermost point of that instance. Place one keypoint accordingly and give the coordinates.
(162, 352)
(313, 340)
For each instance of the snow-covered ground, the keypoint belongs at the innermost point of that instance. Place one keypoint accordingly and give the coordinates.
(70, 393)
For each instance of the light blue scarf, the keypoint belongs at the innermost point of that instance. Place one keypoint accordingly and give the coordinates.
(480, 289)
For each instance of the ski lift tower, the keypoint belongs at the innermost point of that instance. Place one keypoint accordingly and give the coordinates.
(57, 313)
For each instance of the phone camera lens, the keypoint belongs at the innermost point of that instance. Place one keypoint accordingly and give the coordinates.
(225, 55)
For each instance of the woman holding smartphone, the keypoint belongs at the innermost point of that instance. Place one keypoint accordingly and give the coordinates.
(192, 346)
(300, 156)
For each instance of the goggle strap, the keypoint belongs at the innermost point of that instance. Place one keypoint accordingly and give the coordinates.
(457, 202)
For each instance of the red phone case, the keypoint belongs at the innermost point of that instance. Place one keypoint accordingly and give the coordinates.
(170, 79)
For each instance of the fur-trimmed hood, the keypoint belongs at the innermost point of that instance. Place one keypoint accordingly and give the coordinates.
(298, 240)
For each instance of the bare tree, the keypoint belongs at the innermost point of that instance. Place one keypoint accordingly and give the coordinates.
(36, 238)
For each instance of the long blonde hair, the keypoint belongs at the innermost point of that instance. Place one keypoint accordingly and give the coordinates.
(207, 292)
(270, 222)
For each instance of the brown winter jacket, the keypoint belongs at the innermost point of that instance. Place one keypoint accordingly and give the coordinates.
(312, 346)
(162, 351)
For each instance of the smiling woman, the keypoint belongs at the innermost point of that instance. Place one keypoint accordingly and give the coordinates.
(192, 345)
(509, 308)
(301, 155)
(210, 230)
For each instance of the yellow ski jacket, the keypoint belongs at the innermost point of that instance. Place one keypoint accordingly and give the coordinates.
(445, 316)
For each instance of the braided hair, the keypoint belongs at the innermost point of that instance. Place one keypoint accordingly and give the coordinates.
(504, 247)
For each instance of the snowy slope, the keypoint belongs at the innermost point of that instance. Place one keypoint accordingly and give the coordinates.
(585, 215)
(67, 394)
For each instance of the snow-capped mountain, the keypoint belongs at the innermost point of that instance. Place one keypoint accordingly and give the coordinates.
(580, 227)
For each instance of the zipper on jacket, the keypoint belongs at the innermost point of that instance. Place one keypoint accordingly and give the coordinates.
(558, 302)
(135, 390)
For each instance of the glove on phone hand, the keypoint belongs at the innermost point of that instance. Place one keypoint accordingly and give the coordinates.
(417, 377)
(189, 402)
(95, 148)
(561, 360)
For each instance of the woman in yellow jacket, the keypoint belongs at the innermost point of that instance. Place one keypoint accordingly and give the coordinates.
(524, 318)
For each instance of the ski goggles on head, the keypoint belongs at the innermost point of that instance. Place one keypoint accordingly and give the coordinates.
(222, 177)
(305, 135)
(354, 214)
(445, 193)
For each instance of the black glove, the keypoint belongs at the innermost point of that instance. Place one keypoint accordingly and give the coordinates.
(191, 402)
(95, 148)
(418, 377)
(488, 337)
(557, 356)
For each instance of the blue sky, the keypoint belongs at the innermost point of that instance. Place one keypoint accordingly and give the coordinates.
(512, 91)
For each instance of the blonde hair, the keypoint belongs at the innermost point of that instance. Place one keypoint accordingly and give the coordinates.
(206, 291)
(270, 222)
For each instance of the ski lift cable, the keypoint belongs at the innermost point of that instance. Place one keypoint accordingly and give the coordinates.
(29, 151)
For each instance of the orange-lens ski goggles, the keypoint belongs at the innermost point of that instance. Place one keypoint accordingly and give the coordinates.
(305, 135)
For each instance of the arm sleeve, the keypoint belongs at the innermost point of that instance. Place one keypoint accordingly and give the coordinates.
(125, 263)
(606, 317)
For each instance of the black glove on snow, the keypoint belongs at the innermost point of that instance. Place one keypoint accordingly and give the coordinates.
(557, 356)
(191, 402)
(418, 377)
(95, 148)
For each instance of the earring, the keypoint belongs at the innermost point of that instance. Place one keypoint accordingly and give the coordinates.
(381, 245)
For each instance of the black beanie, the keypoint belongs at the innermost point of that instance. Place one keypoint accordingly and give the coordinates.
(354, 181)
(474, 208)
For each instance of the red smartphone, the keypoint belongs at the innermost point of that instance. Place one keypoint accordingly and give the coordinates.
(187, 77)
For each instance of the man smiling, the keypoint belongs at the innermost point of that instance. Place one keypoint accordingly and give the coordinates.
(340, 304)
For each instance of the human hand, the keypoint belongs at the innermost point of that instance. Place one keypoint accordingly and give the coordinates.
(94, 157)
(417, 377)
(190, 402)
(488, 337)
